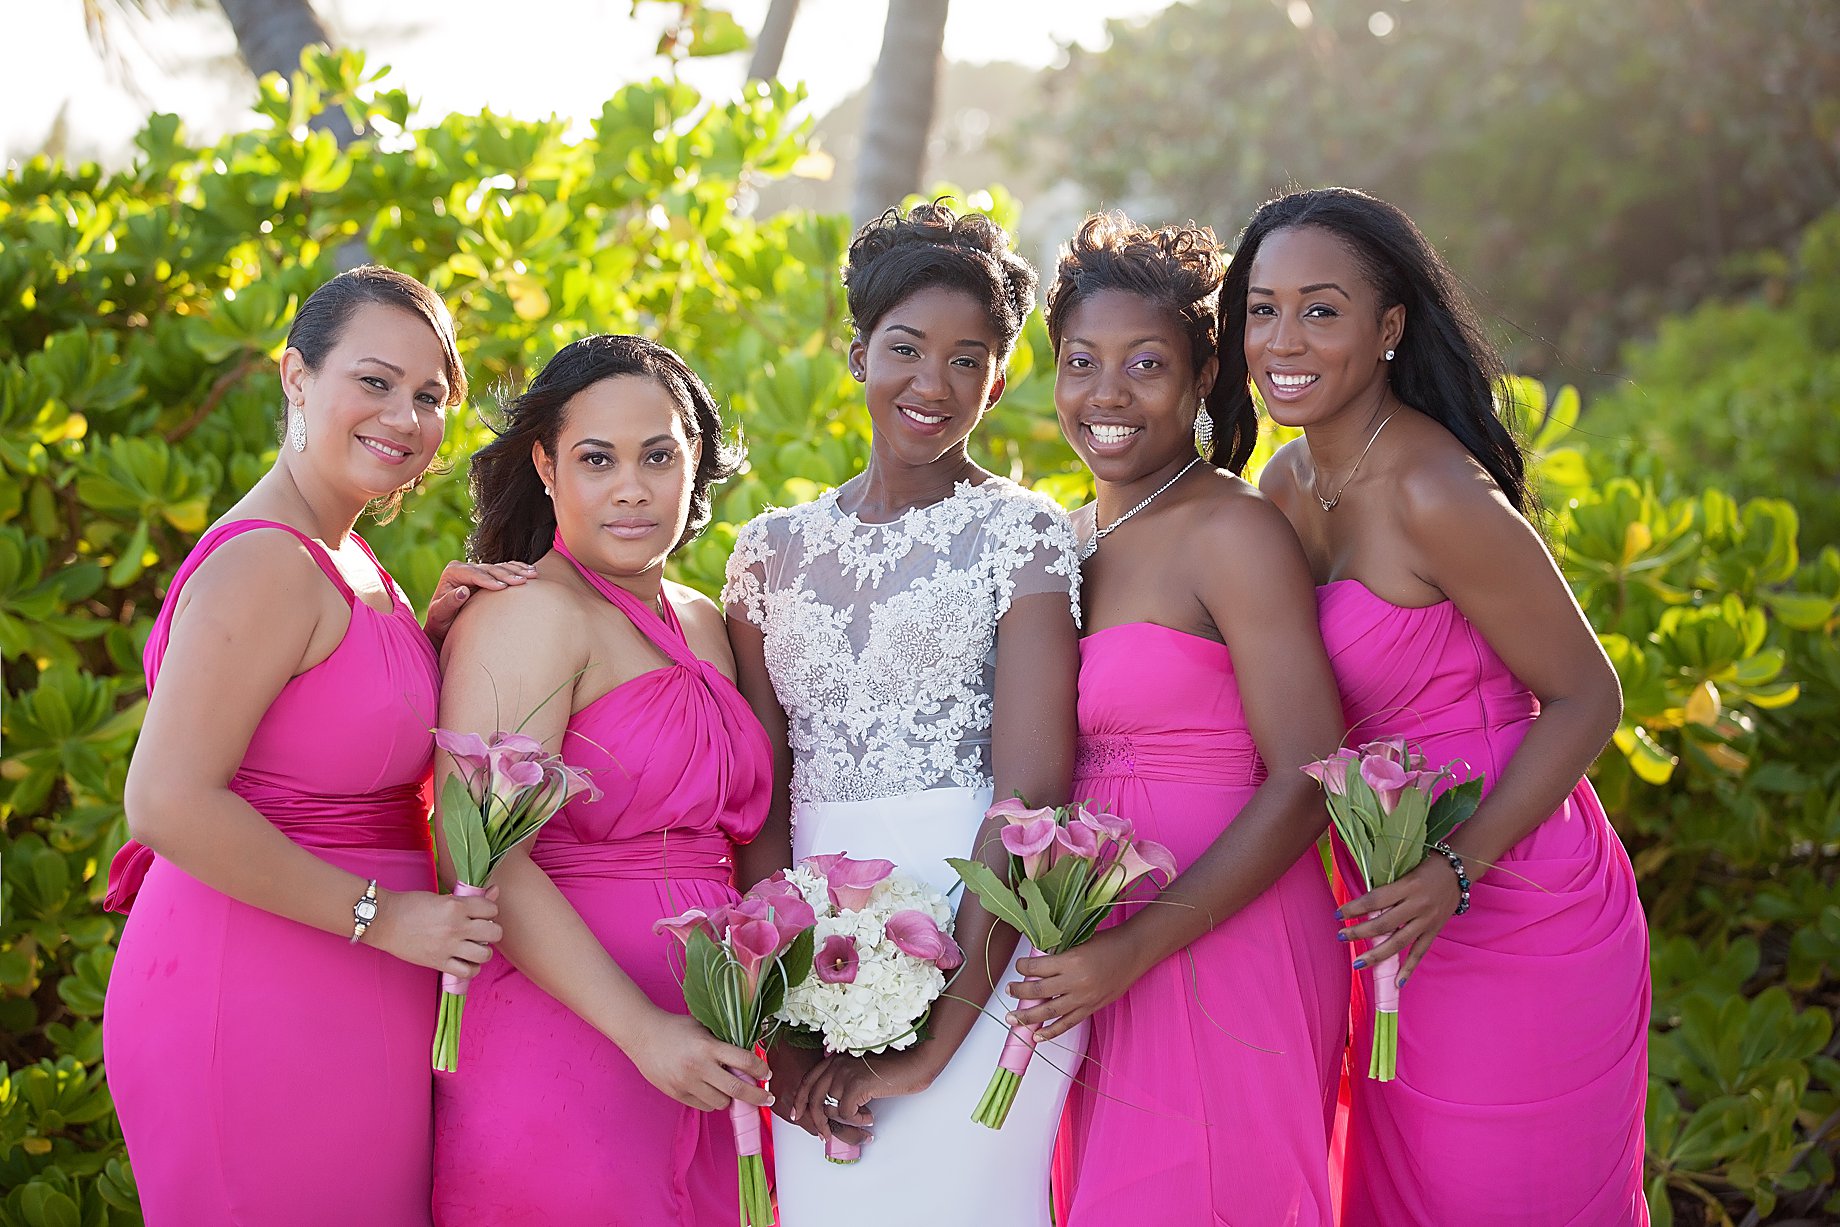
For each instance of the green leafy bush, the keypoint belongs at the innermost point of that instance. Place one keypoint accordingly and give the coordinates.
(141, 314)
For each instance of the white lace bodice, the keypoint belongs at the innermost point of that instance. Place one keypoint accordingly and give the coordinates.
(881, 639)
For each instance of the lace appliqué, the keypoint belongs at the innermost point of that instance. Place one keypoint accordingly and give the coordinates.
(881, 638)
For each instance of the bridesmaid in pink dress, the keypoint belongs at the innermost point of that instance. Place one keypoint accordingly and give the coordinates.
(584, 1094)
(1209, 1091)
(266, 1044)
(1524, 1018)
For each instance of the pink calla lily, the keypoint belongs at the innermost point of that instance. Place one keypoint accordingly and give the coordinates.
(1140, 857)
(753, 942)
(1332, 772)
(1396, 750)
(850, 881)
(1030, 841)
(1388, 779)
(1016, 811)
(1076, 839)
(1110, 825)
(468, 750)
(914, 932)
(836, 960)
(681, 926)
(788, 907)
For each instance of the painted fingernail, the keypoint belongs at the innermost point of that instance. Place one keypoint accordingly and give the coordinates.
(1359, 963)
(1342, 936)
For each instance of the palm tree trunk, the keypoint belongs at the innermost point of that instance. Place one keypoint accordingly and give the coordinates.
(271, 34)
(902, 97)
(770, 47)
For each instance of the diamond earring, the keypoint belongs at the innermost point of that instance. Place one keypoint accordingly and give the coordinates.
(1389, 355)
(297, 429)
(1204, 434)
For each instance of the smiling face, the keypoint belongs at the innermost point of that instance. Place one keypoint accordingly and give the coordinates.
(1316, 336)
(930, 369)
(1125, 388)
(622, 475)
(375, 408)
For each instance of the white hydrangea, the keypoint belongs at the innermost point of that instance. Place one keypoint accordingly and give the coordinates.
(881, 1009)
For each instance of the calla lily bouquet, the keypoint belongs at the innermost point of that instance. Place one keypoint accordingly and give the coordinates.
(739, 963)
(881, 949)
(502, 792)
(1380, 800)
(1068, 868)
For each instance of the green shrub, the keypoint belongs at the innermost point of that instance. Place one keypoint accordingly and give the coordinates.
(141, 314)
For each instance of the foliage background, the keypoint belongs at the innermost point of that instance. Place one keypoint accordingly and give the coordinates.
(142, 312)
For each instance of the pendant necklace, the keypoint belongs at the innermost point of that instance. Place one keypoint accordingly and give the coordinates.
(1092, 543)
(1328, 504)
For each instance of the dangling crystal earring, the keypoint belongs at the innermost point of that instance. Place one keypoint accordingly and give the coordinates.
(297, 429)
(1389, 355)
(1204, 434)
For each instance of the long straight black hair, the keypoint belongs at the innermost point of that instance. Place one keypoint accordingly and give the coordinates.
(512, 517)
(1444, 366)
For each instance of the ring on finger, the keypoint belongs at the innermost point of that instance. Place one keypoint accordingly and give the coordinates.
(830, 1101)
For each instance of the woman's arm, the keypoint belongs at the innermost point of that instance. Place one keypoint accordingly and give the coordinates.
(1033, 731)
(1481, 553)
(771, 850)
(1260, 597)
(254, 614)
(504, 656)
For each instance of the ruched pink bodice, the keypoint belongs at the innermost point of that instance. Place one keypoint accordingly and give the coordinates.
(1523, 1033)
(547, 1121)
(1209, 1087)
(240, 1045)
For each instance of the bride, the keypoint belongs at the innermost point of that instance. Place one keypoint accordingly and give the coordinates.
(909, 642)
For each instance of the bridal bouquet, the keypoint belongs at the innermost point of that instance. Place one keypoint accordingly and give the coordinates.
(880, 952)
(740, 961)
(503, 791)
(1068, 867)
(1381, 804)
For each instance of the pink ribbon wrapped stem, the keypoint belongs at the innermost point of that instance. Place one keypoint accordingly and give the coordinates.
(746, 1119)
(1386, 985)
(1019, 1047)
(839, 1151)
(449, 982)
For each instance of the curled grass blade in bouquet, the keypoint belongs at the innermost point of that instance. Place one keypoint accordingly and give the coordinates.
(502, 791)
(1380, 801)
(739, 963)
(883, 946)
(1068, 868)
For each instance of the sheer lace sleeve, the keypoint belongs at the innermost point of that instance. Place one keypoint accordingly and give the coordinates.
(744, 591)
(1033, 550)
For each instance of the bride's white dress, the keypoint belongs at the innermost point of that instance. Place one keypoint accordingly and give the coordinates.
(881, 643)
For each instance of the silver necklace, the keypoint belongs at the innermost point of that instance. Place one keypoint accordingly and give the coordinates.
(1092, 543)
(1328, 504)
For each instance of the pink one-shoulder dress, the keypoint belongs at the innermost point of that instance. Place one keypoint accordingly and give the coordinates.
(1208, 1091)
(1523, 1034)
(546, 1122)
(265, 1071)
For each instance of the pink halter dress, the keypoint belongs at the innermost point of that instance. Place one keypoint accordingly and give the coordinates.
(1523, 1034)
(264, 1071)
(547, 1121)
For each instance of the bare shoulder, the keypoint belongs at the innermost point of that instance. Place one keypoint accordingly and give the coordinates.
(263, 578)
(1238, 518)
(705, 627)
(527, 614)
(1440, 488)
(1280, 479)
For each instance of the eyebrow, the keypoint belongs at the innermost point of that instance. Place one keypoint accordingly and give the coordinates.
(1149, 340)
(615, 447)
(1308, 289)
(912, 331)
(399, 372)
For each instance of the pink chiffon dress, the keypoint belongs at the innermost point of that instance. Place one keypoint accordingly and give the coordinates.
(265, 1071)
(1208, 1093)
(546, 1122)
(1523, 1034)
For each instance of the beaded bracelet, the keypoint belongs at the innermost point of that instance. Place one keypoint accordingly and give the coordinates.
(1456, 863)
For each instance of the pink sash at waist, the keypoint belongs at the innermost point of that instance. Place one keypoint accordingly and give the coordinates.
(1226, 762)
(662, 855)
(391, 819)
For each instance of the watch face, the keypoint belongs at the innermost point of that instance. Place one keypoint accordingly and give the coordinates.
(366, 910)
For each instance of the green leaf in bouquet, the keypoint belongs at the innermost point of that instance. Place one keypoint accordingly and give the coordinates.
(702, 964)
(1040, 928)
(465, 832)
(797, 958)
(997, 898)
(1452, 810)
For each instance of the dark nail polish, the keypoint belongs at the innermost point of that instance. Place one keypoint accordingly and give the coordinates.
(1342, 936)
(1359, 963)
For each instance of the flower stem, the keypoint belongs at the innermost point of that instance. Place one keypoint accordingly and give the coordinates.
(447, 1033)
(1383, 1065)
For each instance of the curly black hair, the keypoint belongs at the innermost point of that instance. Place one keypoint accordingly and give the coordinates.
(897, 255)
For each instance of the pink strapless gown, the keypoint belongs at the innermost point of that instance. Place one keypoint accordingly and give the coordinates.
(547, 1122)
(1523, 1035)
(1208, 1093)
(266, 1072)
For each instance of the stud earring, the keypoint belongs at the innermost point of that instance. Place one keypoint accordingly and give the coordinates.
(1389, 355)
(549, 493)
(1204, 434)
(297, 428)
